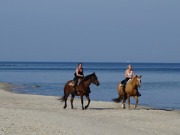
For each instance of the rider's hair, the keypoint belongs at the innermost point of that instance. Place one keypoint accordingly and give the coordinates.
(79, 63)
(129, 66)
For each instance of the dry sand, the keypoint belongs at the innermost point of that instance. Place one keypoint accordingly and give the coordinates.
(22, 114)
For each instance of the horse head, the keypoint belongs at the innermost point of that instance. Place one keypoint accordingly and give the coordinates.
(94, 79)
(138, 81)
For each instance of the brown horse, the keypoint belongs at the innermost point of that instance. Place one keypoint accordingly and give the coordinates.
(82, 89)
(130, 90)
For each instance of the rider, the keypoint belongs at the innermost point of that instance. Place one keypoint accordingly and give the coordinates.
(78, 75)
(129, 74)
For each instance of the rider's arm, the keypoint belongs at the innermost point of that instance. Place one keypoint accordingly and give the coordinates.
(133, 73)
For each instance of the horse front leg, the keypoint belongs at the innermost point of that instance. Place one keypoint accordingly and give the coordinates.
(82, 102)
(87, 96)
(136, 102)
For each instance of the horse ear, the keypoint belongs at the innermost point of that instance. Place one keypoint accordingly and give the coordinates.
(93, 73)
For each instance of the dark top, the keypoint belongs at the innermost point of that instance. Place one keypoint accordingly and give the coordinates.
(79, 72)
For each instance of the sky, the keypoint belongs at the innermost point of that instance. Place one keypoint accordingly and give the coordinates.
(90, 30)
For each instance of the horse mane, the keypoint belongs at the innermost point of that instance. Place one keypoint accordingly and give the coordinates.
(86, 78)
(132, 80)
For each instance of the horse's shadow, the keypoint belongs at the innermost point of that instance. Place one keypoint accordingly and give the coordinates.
(131, 109)
(101, 108)
(114, 109)
(160, 109)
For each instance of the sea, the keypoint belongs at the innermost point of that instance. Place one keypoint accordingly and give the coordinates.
(160, 84)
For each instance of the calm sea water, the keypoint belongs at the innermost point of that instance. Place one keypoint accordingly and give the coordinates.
(160, 81)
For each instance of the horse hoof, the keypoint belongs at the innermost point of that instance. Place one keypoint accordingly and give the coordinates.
(138, 94)
(64, 107)
(86, 107)
(123, 106)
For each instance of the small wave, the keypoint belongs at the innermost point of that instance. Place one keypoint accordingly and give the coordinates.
(36, 86)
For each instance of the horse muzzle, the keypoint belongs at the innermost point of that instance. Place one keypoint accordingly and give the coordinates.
(98, 84)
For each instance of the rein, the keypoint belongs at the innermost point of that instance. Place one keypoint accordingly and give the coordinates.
(86, 78)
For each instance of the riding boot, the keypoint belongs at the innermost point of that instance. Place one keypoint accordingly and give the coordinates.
(138, 94)
(124, 86)
(75, 84)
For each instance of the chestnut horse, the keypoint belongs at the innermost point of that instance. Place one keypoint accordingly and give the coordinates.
(82, 89)
(131, 89)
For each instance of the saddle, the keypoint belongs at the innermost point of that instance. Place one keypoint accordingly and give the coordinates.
(122, 85)
(73, 82)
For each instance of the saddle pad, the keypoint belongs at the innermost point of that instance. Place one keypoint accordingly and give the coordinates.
(126, 83)
(71, 83)
(129, 80)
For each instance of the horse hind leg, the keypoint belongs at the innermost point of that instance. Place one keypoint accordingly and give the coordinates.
(124, 101)
(128, 97)
(122, 97)
(65, 100)
(65, 104)
(122, 105)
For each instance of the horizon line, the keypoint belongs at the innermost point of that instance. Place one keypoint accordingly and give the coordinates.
(88, 62)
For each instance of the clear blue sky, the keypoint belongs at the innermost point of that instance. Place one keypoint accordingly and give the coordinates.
(90, 30)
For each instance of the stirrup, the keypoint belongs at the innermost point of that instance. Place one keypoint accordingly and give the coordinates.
(121, 85)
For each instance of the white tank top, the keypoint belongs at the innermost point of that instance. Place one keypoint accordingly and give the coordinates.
(130, 74)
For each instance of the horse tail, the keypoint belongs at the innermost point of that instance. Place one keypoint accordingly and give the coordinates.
(117, 100)
(62, 99)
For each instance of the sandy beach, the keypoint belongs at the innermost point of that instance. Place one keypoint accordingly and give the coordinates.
(22, 114)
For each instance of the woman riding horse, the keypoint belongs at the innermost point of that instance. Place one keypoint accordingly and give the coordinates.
(131, 90)
(83, 89)
(129, 74)
(78, 75)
